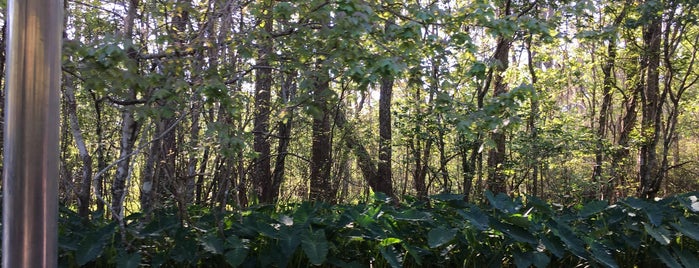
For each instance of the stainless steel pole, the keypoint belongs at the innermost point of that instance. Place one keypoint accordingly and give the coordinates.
(30, 177)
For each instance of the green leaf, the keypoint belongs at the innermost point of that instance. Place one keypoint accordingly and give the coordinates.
(687, 228)
(390, 255)
(541, 260)
(316, 247)
(502, 202)
(412, 214)
(389, 241)
(522, 260)
(212, 244)
(236, 256)
(288, 242)
(569, 238)
(602, 255)
(688, 259)
(665, 256)
(129, 261)
(660, 234)
(592, 208)
(93, 244)
(475, 217)
(515, 232)
(553, 245)
(440, 236)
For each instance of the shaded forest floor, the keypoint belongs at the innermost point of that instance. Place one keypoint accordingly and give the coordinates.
(443, 231)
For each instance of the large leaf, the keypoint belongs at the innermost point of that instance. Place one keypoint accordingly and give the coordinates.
(93, 244)
(515, 232)
(602, 255)
(665, 256)
(502, 202)
(660, 234)
(592, 208)
(440, 236)
(316, 247)
(237, 252)
(132, 260)
(236, 256)
(687, 228)
(289, 241)
(574, 244)
(476, 217)
(212, 243)
(391, 256)
(412, 215)
(688, 258)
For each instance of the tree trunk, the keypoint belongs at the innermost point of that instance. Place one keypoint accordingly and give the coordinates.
(86, 180)
(321, 148)
(261, 176)
(384, 181)
(497, 181)
(129, 131)
(288, 93)
(651, 104)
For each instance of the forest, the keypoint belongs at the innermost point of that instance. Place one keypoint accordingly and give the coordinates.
(358, 133)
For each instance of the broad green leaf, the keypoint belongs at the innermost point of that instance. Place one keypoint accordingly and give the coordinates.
(476, 217)
(391, 256)
(688, 258)
(130, 260)
(447, 197)
(515, 232)
(316, 247)
(235, 257)
(289, 242)
(212, 244)
(569, 238)
(93, 244)
(687, 228)
(660, 234)
(665, 256)
(602, 255)
(592, 208)
(502, 202)
(389, 241)
(541, 260)
(553, 245)
(440, 236)
(412, 215)
(522, 260)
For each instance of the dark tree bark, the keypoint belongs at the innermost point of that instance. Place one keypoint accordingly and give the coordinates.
(288, 93)
(262, 176)
(497, 181)
(384, 181)
(321, 147)
(651, 111)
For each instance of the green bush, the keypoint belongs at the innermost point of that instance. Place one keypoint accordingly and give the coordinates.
(446, 232)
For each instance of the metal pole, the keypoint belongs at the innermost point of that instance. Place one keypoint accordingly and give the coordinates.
(30, 178)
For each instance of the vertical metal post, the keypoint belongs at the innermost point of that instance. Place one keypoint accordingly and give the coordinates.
(30, 178)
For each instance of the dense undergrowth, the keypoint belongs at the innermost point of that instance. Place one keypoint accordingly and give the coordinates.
(446, 233)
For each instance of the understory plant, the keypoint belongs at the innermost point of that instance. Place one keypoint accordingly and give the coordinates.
(443, 231)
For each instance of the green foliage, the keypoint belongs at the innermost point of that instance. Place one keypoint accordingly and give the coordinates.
(523, 232)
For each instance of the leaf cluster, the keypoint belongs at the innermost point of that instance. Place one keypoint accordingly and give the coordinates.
(442, 232)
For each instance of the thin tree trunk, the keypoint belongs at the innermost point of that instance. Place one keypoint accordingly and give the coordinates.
(384, 181)
(261, 176)
(288, 93)
(86, 179)
(650, 121)
(497, 181)
(129, 132)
